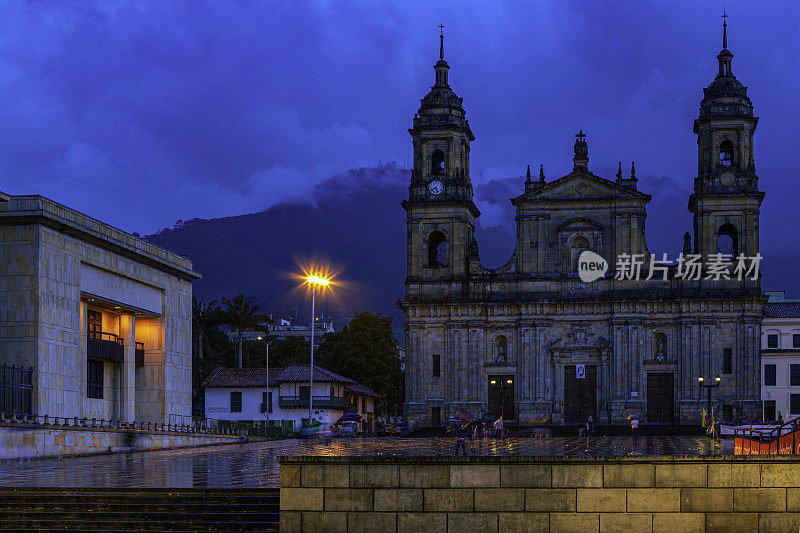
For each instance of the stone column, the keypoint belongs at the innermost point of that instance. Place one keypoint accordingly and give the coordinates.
(127, 385)
(82, 363)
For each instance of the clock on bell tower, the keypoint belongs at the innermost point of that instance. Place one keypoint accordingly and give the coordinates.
(726, 198)
(440, 210)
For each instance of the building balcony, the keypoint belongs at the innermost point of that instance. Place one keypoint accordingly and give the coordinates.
(107, 346)
(321, 402)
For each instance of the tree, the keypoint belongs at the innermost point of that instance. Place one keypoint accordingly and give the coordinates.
(282, 352)
(203, 318)
(366, 351)
(240, 315)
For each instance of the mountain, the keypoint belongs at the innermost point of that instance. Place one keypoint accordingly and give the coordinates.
(354, 221)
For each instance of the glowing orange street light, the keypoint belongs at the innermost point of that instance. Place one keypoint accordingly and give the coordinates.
(314, 281)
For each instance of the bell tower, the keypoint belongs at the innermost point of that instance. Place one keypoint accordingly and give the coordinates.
(440, 210)
(726, 198)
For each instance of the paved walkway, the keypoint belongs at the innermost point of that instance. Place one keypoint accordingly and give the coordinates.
(254, 465)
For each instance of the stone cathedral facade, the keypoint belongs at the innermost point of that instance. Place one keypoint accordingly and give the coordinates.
(531, 340)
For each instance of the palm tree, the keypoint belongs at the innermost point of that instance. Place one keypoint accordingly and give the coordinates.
(240, 315)
(204, 317)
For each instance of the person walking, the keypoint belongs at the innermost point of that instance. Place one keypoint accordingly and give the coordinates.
(498, 428)
(635, 429)
(472, 429)
(588, 429)
(461, 434)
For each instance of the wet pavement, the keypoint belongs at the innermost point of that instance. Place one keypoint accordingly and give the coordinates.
(254, 465)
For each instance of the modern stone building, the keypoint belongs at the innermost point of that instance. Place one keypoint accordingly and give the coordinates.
(530, 338)
(101, 319)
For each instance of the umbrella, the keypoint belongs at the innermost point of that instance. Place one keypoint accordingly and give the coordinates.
(463, 416)
(348, 417)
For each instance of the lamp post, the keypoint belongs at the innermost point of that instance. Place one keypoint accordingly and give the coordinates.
(314, 281)
(268, 393)
(708, 385)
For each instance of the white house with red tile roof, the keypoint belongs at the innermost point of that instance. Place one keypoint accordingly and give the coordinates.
(282, 398)
(780, 358)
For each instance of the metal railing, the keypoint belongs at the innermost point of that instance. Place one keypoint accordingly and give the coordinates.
(323, 402)
(197, 428)
(16, 389)
(780, 440)
(104, 345)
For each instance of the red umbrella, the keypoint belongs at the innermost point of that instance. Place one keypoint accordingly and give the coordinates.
(463, 416)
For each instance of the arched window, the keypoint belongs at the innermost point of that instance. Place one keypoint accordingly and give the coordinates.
(501, 349)
(726, 153)
(437, 250)
(728, 240)
(660, 346)
(437, 162)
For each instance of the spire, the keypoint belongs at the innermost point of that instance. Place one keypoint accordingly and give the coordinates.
(441, 41)
(619, 171)
(724, 30)
(633, 170)
(528, 175)
(441, 67)
(541, 173)
(725, 56)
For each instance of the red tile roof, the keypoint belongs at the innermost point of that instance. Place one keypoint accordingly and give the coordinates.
(303, 373)
(782, 310)
(242, 377)
(257, 377)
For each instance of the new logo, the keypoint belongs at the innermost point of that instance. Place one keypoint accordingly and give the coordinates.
(591, 266)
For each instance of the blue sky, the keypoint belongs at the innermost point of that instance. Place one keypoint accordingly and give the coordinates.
(142, 113)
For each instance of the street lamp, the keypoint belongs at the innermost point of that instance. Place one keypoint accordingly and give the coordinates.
(708, 385)
(314, 281)
(268, 393)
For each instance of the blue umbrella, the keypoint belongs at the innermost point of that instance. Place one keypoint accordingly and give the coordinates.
(348, 417)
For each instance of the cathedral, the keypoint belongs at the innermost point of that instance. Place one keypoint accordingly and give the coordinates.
(534, 342)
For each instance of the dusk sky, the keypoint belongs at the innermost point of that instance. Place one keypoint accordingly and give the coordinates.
(142, 113)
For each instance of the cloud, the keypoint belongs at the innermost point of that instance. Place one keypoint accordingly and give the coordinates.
(144, 112)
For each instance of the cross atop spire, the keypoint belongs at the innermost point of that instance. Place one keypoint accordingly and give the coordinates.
(724, 29)
(441, 41)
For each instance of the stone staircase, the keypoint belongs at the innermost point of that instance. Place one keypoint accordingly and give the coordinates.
(173, 510)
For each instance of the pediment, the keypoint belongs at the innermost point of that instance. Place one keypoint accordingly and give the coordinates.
(581, 185)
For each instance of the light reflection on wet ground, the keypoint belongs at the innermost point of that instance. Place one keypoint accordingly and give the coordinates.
(254, 465)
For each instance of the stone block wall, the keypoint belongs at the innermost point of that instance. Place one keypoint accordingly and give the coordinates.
(551, 494)
(27, 442)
